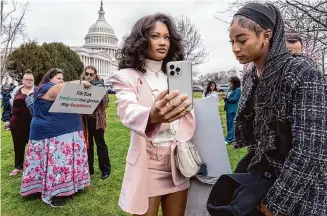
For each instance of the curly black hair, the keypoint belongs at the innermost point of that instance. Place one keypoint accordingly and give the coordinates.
(135, 46)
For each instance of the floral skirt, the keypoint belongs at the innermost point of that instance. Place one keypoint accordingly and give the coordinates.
(56, 167)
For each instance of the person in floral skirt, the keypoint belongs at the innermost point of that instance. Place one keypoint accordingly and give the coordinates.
(56, 160)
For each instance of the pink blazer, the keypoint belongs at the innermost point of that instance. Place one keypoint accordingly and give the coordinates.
(134, 102)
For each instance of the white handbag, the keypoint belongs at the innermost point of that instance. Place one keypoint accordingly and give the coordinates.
(187, 159)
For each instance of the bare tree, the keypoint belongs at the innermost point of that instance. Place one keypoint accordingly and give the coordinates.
(308, 18)
(219, 77)
(194, 48)
(12, 28)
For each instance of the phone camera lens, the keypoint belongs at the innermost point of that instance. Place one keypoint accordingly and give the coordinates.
(172, 73)
(178, 69)
(172, 66)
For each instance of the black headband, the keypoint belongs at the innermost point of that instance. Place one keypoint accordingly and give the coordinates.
(260, 14)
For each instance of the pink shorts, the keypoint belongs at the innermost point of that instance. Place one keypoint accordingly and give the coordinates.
(159, 175)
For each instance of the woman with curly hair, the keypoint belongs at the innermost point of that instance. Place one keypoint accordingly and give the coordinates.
(156, 118)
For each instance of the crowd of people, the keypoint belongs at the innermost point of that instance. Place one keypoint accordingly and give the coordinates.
(278, 112)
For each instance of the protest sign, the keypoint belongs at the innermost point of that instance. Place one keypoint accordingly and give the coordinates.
(209, 137)
(74, 98)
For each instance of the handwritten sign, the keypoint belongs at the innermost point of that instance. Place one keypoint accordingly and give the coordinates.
(74, 98)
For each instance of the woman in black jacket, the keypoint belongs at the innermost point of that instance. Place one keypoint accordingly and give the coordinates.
(282, 120)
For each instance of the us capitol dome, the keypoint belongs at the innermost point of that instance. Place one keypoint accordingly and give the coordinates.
(100, 47)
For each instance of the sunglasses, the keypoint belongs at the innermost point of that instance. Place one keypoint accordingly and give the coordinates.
(89, 74)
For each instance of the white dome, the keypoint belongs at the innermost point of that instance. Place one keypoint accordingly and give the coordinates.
(101, 35)
(101, 26)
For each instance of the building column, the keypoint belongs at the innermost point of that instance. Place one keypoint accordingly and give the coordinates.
(100, 71)
(109, 68)
(101, 66)
(106, 67)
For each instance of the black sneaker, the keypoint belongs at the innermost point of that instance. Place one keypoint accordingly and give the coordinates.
(58, 202)
(105, 175)
(91, 171)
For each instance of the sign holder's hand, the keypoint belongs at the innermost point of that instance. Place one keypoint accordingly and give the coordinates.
(86, 84)
(169, 107)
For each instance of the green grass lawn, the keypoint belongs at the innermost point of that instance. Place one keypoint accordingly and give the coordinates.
(101, 197)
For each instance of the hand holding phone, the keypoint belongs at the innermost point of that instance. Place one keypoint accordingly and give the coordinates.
(169, 107)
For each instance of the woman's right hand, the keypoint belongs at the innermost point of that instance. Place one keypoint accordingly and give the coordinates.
(169, 107)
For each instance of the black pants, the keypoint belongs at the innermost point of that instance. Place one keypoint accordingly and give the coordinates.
(102, 149)
(240, 193)
(20, 136)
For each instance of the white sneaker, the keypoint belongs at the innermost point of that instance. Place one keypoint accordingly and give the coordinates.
(226, 143)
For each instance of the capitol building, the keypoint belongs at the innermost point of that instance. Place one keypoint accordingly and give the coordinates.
(100, 47)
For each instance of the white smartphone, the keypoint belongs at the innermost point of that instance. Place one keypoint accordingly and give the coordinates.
(180, 78)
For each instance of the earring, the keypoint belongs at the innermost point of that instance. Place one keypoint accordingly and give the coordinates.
(265, 43)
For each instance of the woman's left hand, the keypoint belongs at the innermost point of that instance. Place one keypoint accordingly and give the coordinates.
(263, 209)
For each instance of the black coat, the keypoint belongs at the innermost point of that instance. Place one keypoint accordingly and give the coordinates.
(300, 154)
